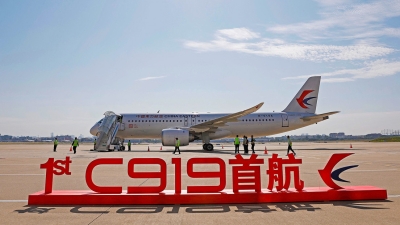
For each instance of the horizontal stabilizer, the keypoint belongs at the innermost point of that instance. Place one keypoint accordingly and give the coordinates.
(319, 116)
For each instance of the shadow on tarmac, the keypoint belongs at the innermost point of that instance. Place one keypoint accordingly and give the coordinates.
(215, 208)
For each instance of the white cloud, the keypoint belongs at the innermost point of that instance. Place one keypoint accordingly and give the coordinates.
(337, 80)
(151, 78)
(378, 68)
(279, 48)
(237, 34)
(332, 2)
(342, 20)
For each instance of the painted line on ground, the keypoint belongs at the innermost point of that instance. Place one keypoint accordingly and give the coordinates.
(393, 196)
(8, 201)
(371, 170)
(28, 165)
(22, 174)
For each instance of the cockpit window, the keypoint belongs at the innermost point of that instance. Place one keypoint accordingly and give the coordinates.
(100, 121)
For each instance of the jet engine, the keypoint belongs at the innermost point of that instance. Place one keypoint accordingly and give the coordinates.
(168, 137)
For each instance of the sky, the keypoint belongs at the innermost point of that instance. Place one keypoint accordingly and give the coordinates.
(64, 63)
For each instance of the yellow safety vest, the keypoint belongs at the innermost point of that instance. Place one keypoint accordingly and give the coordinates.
(237, 141)
(75, 143)
(55, 142)
(177, 143)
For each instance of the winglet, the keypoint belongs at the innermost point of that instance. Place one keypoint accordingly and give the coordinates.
(257, 107)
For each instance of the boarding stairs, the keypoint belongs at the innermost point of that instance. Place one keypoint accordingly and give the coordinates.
(107, 131)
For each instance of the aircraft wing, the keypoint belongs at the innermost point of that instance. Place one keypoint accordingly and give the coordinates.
(213, 125)
(319, 116)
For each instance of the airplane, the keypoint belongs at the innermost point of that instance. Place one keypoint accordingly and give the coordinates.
(113, 129)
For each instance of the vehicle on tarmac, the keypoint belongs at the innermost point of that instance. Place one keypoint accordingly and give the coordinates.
(113, 129)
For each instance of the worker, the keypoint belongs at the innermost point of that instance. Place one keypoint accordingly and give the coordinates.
(245, 144)
(237, 144)
(94, 144)
(253, 142)
(177, 144)
(290, 146)
(55, 144)
(129, 145)
(75, 144)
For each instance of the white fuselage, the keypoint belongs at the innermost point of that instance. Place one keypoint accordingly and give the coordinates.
(142, 126)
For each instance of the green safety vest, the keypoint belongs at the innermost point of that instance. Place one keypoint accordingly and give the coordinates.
(55, 142)
(290, 142)
(94, 142)
(177, 143)
(237, 141)
(129, 143)
(75, 143)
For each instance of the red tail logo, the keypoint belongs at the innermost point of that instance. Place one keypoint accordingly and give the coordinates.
(302, 101)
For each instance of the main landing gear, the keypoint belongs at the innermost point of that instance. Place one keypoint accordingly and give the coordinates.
(208, 147)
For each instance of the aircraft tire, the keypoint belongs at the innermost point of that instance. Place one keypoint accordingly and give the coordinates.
(209, 147)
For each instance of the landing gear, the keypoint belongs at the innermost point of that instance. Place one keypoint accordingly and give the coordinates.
(208, 147)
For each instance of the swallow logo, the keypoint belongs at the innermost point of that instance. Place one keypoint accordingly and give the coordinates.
(303, 102)
(327, 175)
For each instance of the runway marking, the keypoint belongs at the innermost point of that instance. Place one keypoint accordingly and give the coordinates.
(393, 196)
(22, 174)
(8, 201)
(372, 170)
(28, 165)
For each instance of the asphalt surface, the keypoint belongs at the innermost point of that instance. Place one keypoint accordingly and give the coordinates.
(20, 175)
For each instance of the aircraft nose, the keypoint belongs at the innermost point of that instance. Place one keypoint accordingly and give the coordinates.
(94, 129)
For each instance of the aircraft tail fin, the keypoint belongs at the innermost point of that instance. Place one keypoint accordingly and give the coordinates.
(305, 101)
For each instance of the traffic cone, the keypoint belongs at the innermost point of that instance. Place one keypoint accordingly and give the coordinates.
(265, 150)
(351, 146)
(161, 148)
(70, 149)
(148, 148)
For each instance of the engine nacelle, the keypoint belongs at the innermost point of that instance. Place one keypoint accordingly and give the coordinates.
(168, 137)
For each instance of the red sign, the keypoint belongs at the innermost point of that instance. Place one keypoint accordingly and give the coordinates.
(246, 183)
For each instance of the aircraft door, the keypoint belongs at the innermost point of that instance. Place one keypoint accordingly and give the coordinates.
(122, 126)
(186, 121)
(285, 120)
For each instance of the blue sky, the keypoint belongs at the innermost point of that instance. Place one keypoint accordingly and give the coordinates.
(64, 63)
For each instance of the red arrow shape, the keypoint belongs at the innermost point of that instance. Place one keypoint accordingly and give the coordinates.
(301, 98)
(326, 172)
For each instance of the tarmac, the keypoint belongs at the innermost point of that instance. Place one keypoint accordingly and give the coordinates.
(20, 175)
